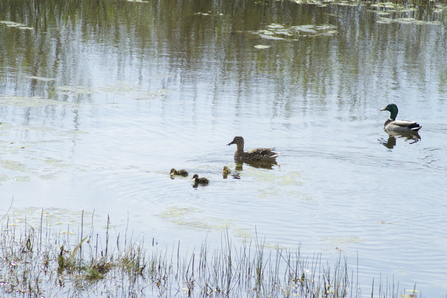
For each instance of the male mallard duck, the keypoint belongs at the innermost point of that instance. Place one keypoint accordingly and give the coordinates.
(198, 180)
(183, 173)
(257, 154)
(399, 125)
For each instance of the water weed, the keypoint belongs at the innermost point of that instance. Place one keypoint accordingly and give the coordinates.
(37, 261)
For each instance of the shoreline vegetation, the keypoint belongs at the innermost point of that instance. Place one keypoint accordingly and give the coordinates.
(38, 262)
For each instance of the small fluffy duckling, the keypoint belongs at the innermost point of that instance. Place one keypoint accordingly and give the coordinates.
(183, 173)
(226, 171)
(198, 180)
(257, 154)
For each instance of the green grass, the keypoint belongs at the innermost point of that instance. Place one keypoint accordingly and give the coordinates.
(36, 262)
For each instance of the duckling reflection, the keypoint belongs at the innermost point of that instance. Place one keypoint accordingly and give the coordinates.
(227, 171)
(412, 137)
(202, 181)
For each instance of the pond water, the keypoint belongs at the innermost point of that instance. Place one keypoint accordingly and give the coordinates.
(100, 99)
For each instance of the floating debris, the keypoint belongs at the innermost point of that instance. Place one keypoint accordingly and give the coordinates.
(262, 47)
(280, 32)
(16, 25)
(412, 21)
(40, 78)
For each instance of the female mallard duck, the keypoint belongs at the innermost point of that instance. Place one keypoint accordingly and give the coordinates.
(399, 125)
(258, 154)
(183, 173)
(198, 180)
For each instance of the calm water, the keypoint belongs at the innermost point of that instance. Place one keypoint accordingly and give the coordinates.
(99, 100)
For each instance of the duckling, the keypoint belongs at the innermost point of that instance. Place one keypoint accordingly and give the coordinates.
(226, 171)
(399, 125)
(198, 180)
(258, 154)
(183, 173)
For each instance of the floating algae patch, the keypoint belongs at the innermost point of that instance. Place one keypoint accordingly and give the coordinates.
(194, 224)
(290, 179)
(280, 32)
(67, 233)
(202, 224)
(270, 192)
(178, 212)
(20, 100)
(343, 240)
(3, 177)
(133, 92)
(293, 178)
(16, 25)
(55, 162)
(13, 165)
(271, 37)
(275, 26)
(179, 217)
(28, 102)
(49, 176)
(274, 246)
(37, 217)
(410, 21)
(243, 233)
(384, 223)
(22, 178)
(262, 47)
(75, 90)
(40, 78)
(221, 224)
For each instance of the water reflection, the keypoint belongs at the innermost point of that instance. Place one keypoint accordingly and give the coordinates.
(264, 164)
(412, 137)
(101, 100)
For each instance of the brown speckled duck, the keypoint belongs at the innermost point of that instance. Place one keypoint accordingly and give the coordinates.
(399, 125)
(183, 173)
(201, 180)
(257, 154)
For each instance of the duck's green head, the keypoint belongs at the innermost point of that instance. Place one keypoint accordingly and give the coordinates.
(393, 110)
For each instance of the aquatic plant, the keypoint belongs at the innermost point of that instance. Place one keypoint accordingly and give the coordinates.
(37, 261)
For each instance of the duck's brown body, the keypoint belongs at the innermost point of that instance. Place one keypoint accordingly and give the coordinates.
(257, 154)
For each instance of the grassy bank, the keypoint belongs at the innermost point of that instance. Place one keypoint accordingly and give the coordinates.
(39, 261)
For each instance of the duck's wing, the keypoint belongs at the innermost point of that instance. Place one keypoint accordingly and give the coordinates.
(404, 125)
(263, 152)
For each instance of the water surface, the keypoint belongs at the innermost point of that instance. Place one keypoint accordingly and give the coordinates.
(99, 100)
